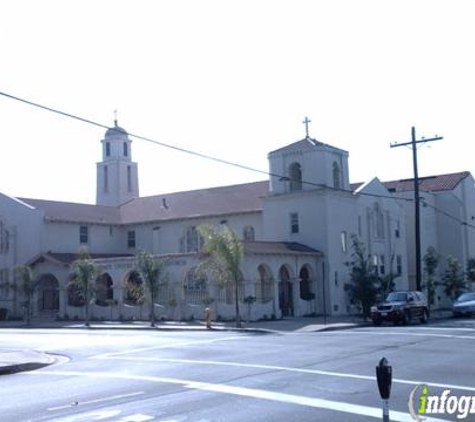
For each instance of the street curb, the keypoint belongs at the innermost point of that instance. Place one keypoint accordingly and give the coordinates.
(22, 367)
(34, 360)
(192, 328)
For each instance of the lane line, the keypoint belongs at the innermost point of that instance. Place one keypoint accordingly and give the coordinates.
(82, 403)
(356, 409)
(298, 370)
(448, 328)
(404, 333)
(164, 346)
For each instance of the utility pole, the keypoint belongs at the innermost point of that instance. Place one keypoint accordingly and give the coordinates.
(417, 211)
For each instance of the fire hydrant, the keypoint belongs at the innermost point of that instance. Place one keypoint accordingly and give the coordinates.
(208, 318)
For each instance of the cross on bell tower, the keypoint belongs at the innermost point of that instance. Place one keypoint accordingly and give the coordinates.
(306, 122)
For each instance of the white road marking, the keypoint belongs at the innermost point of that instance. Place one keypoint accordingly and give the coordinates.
(299, 370)
(164, 346)
(448, 328)
(404, 333)
(91, 416)
(373, 412)
(136, 418)
(103, 399)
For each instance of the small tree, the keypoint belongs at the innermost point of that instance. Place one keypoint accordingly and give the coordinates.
(363, 289)
(470, 270)
(153, 274)
(27, 284)
(86, 272)
(453, 280)
(223, 256)
(431, 261)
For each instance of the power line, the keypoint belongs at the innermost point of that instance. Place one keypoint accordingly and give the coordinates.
(195, 153)
(200, 155)
(445, 213)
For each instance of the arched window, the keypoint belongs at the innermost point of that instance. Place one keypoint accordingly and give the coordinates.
(248, 233)
(191, 241)
(378, 220)
(195, 287)
(295, 176)
(108, 149)
(129, 179)
(106, 179)
(134, 289)
(336, 176)
(126, 149)
(264, 285)
(227, 291)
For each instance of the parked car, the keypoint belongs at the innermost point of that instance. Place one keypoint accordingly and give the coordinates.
(401, 307)
(464, 305)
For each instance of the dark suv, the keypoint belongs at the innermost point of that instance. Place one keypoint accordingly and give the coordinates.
(401, 307)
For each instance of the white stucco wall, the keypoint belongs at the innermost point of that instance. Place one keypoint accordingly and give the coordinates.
(25, 224)
(64, 237)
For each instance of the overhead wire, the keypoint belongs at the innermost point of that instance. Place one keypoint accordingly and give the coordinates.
(195, 153)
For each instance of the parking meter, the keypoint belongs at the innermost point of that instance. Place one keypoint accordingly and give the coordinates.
(384, 378)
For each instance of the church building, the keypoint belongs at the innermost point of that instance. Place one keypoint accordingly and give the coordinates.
(296, 228)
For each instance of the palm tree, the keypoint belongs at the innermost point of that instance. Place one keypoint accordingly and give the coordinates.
(86, 272)
(224, 253)
(28, 283)
(152, 272)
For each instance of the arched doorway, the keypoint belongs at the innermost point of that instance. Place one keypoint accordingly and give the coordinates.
(286, 302)
(48, 294)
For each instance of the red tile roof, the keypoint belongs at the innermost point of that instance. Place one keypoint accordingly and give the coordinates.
(428, 184)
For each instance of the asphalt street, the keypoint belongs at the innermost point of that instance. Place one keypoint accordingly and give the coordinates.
(136, 376)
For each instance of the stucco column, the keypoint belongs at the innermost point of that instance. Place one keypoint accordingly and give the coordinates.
(63, 300)
(277, 312)
(296, 296)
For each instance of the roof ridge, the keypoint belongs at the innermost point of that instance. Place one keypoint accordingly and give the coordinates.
(196, 190)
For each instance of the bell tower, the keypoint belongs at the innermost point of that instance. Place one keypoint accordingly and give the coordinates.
(307, 165)
(117, 174)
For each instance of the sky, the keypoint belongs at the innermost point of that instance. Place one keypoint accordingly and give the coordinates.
(234, 80)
